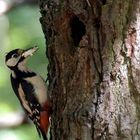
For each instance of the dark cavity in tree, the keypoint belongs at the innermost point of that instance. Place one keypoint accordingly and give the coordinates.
(103, 2)
(77, 30)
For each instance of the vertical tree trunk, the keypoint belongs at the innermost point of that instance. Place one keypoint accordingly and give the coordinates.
(94, 68)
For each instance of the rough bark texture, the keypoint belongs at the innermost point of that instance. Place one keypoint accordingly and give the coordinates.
(93, 47)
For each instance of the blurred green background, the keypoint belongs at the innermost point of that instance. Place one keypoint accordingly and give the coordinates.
(19, 28)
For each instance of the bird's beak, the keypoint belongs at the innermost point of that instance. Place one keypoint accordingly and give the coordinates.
(29, 52)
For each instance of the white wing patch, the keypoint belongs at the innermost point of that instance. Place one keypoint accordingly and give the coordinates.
(23, 99)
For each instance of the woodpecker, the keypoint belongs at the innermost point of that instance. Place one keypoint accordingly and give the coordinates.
(30, 89)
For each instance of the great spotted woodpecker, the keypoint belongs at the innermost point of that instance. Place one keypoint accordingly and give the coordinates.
(30, 89)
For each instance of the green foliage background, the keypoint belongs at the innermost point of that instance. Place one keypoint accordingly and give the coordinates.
(20, 28)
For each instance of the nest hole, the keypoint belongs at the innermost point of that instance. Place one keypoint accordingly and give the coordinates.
(78, 29)
(103, 2)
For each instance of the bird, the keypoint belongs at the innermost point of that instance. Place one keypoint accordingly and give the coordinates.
(30, 89)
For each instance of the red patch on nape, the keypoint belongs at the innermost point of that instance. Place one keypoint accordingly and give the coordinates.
(44, 121)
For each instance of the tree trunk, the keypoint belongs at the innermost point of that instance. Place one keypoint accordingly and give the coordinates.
(94, 68)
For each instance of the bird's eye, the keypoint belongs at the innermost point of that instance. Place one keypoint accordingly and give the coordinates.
(15, 55)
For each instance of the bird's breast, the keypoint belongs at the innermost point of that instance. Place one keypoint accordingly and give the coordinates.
(40, 88)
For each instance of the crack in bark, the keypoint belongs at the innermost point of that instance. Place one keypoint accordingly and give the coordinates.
(99, 69)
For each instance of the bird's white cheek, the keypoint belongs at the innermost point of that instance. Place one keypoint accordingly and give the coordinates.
(11, 62)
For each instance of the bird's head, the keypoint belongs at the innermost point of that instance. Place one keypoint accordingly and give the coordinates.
(18, 56)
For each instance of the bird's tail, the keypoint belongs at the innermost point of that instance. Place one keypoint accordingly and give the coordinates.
(41, 133)
(44, 136)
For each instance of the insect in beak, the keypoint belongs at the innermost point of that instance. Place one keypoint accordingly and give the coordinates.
(29, 52)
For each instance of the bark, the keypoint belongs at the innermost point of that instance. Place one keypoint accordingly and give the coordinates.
(94, 68)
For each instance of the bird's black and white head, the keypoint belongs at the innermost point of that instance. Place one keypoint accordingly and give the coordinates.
(16, 58)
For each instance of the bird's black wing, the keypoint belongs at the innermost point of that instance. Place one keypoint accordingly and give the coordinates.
(15, 85)
(34, 105)
(31, 101)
